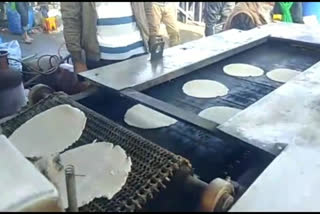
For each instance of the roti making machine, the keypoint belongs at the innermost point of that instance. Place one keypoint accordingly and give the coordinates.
(252, 162)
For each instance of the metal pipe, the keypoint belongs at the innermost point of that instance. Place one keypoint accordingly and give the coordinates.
(71, 189)
(28, 57)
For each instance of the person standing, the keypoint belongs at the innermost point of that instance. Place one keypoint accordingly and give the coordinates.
(2, 11)
(108, 32)
(164, 12)
(248, 15)
(215, 14)
(44, 9)
(22, 8)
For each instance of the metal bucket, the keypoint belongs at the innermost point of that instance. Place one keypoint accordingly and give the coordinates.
(12, 96)
(4, 64)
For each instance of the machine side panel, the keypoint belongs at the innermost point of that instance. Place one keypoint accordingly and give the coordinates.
(289, 115)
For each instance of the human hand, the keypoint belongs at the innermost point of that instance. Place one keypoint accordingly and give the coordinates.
(80, 67)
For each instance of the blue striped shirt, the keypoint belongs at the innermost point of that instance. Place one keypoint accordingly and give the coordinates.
(118, 35)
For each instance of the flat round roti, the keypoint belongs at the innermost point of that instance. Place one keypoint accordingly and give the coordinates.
(49, 132)
(242, 70)
(282, 74)
(219, 114)
(101, 168)
(204, 89)
(143, 117)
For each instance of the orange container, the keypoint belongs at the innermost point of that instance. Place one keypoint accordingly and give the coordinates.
(50, 24)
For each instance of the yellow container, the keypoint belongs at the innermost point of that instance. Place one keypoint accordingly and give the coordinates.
(277, 17)
(50, 24)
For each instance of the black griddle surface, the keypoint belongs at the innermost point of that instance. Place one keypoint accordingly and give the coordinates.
(210, 155)
(243, 91)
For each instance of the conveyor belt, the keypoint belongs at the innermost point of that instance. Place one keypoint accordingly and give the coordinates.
(210, 156)
(152, 166)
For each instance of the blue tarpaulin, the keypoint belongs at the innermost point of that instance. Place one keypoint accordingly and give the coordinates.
(14, 19)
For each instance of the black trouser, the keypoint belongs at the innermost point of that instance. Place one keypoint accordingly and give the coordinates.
(44, 8)
(96, 64)
(22, 8)
(91, 64)
(208, 31)
(2, 11)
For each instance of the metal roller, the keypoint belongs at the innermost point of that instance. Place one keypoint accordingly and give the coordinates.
(71, 188)
(217, 196)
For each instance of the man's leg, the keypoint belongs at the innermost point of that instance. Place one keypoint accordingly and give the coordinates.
(170, 20)
(196, 9)
(22, 8)
(154, 23)
(2, 11)
(182, 18)
(209, 30)
(44, 8)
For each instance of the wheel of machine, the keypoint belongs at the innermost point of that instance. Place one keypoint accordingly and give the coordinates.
(217, 197)
(39, 92)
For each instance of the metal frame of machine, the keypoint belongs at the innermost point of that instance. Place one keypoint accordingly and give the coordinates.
(289, 114)
(180, 60)
(141, 194)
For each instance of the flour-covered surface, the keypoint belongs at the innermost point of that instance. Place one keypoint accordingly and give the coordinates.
(289, 115)
(289, 112)
(291, 31)
(49, 132)
(101, 168)
(289, 184)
